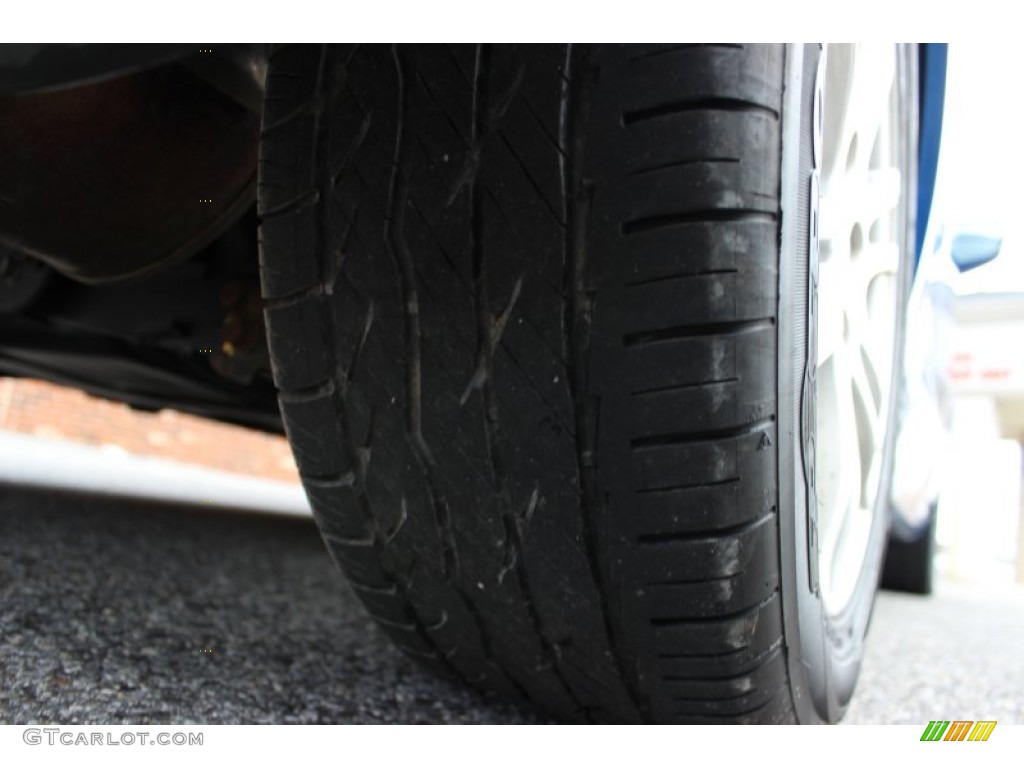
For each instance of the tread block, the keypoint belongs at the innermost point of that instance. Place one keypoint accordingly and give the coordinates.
(695, 558)
(703, 507)
(695, 301)
(686, 361)
(751, 76)
(296, 337)
(297, 268)
(711, 461)
(714, 139)
(700, 408)
(286, 169)
(753, 629)
(742, 690)
(316, 448)
(757, 580)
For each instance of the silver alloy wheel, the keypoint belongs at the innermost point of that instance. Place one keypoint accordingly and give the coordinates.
(861, 225)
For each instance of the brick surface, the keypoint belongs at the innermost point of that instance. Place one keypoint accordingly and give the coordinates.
(46, 410)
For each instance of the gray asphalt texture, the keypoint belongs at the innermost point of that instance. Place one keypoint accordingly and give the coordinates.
(118, 611)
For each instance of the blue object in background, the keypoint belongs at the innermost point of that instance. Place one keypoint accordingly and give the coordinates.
(971, 250)
(932, 88)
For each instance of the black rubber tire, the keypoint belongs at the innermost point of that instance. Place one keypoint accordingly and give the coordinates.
(909, 565)
(522, 310)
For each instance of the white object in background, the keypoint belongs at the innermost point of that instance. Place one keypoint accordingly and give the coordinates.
(58, 464)
(979, 504)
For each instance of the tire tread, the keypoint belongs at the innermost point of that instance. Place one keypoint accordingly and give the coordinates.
(405, 194)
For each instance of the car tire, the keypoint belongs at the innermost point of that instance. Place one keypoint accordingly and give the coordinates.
(541, 318)
(909, 565)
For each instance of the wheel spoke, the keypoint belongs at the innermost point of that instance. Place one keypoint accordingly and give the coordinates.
(875, 71)
(876, 261)
(863, 198)
(884, 187)
(868, 323)
(870, 427)
(875, 323)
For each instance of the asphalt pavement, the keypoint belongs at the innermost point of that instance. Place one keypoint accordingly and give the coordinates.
(129, 611)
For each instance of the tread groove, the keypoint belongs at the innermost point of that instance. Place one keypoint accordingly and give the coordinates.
(398, 195)
(703, 436)
(291, 299)
(679, 164)
(712, 699)
(373, 589)
(729, 716)
(324, 388)
(689, 486)
(711, 535)
(302, 200)
(753, 666)
(311, 107)
(683, 387)
(681, 275)
(681, 47)
(489, 329)
(695, 330)
(705, 216)
(753, 661)
(699, 103)
(688, 582)
(725, 618)
(357, 455)
(577, 195)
